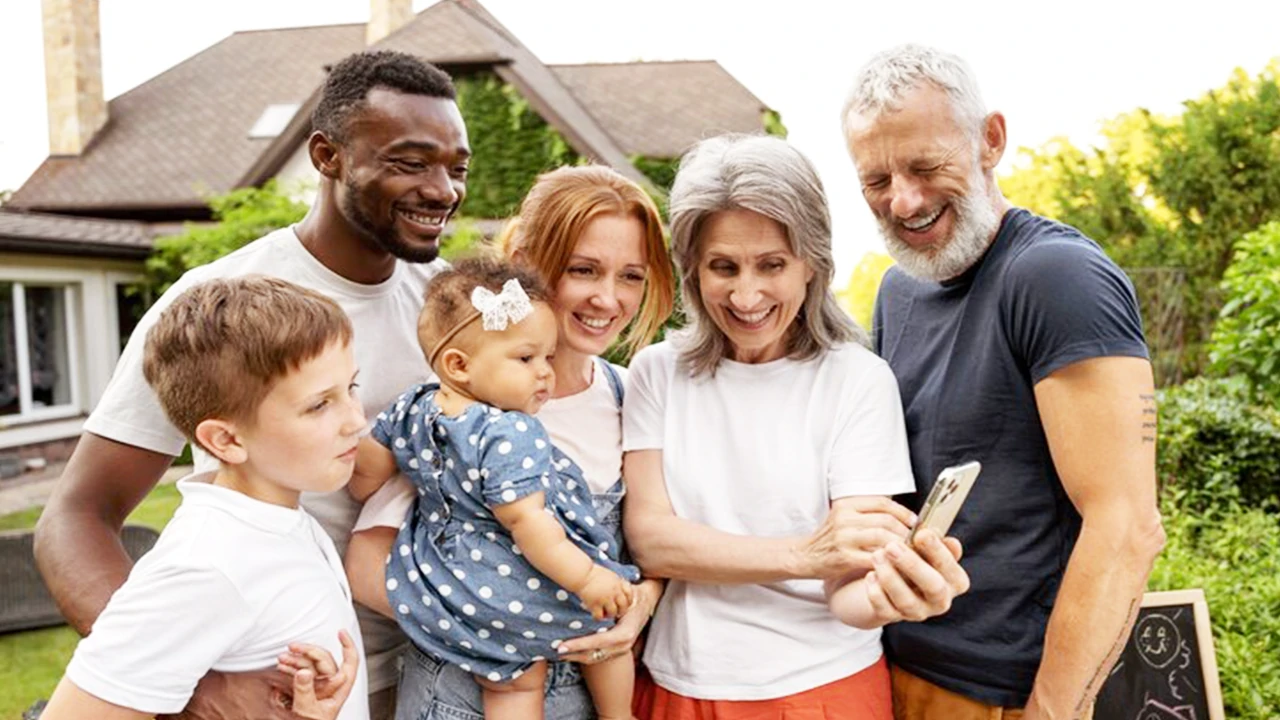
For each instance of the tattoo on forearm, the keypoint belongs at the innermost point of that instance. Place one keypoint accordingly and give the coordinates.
(1148, 418)
(1104, 670)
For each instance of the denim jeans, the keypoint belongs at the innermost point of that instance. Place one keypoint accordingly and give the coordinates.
(434, 690)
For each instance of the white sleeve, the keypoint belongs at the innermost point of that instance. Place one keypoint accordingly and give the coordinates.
(129, 411)
(162, 631)
(869, 455)
(387, 507)
(644, 404)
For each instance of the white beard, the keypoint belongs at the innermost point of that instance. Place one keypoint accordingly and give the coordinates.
(975, 227)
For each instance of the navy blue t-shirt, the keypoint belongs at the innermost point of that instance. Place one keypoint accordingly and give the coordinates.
(967, 354)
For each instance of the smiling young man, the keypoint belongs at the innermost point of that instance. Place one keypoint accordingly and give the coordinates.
(1018, 343)
(392, 153)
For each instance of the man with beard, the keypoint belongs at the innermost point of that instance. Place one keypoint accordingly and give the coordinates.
(392, 153)
(1018, 343)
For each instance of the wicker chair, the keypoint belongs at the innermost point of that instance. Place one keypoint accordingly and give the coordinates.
(25, 603)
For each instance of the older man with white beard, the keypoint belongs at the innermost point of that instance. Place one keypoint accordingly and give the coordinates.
(1018, 343)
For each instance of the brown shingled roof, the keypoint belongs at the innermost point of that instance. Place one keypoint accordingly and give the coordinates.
(59, 234)
(184, 135)
(659, 109)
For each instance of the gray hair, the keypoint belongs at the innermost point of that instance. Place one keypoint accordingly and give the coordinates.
(765, 175)
(883, 83)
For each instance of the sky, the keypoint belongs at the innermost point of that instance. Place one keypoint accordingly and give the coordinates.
(1053, 69)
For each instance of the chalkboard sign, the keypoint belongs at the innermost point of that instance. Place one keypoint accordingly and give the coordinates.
(1167, 670)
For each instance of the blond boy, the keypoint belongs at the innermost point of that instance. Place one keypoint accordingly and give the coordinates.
(259, 373)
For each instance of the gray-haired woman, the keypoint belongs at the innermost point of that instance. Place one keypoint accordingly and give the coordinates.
(760, 445)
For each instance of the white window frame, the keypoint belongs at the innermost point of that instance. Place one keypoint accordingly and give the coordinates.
(27, 413)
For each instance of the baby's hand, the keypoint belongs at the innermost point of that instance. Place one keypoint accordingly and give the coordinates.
(315, 659)
(605, 594)
(306, 663)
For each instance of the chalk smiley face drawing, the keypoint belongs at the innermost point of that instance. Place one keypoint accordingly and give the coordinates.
(1158, 640)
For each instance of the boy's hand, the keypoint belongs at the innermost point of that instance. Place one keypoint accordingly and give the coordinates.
(309, 701)
(605, 594)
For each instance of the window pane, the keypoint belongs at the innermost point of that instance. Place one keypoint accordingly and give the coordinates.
(130, 305)
(8, 353)
(47, 341)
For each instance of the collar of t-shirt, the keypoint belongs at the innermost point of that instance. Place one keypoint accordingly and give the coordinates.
(330, 279)
(1008, 226)
(199, 491)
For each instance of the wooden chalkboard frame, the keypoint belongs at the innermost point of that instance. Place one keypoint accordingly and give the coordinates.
(1204, 639)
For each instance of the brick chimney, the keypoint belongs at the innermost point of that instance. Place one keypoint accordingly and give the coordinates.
(385, 17)
(73, 74)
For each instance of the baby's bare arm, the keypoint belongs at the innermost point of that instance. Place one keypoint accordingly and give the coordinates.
(545, 545)
(375, 465)
(366, 563)
(543, 541)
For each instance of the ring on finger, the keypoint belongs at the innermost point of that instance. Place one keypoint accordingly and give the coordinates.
(597, 655)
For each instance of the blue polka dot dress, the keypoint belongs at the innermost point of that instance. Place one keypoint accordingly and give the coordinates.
(456, 580)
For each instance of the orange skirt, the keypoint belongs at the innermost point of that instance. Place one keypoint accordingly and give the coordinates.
(865, 695)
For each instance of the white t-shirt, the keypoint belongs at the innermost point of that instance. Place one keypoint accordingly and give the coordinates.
(231, 582)
(385, 318)
(586, 426)
(762, 450)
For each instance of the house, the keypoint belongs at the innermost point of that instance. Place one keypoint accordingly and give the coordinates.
(74, 236)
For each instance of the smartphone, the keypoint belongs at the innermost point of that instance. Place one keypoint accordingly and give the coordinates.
(946, 497)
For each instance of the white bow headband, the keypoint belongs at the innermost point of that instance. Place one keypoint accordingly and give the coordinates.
(509, 306)
(498, 310)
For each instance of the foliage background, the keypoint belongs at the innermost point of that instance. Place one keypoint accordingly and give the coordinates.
(240, 217)
(858, 297)
(1246, 339)
(511, 145)
(1232, 553)
(1169, 191)
(1219, 461)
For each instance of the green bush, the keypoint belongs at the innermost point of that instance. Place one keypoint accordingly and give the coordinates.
(1233, 553)
(241, 216)
(772, 121)
(1219, 445)
(1219, 463)
(1246, 339)
(463, 237)
(660, 171)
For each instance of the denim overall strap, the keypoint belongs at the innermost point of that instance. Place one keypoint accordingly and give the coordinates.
(609, 503)
(615, 380)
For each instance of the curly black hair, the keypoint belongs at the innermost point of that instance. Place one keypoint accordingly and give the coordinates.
(349, 83)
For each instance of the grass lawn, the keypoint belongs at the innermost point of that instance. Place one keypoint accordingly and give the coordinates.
(32, 662)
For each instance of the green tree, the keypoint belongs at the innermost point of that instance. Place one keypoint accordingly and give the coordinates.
(772, 122)
(240, 217)
(1169, 191)
(1246, 339)
(858, 297)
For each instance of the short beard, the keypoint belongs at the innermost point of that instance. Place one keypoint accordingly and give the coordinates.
(975, 227)
(386, 240)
